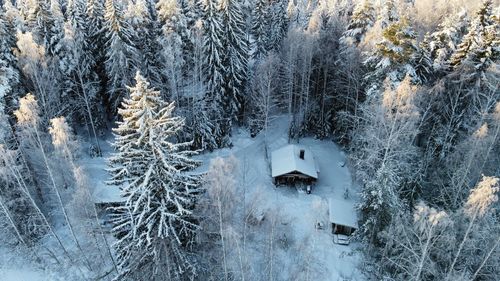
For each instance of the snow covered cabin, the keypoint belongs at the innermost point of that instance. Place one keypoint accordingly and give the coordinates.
(343, 219)
(293, 163)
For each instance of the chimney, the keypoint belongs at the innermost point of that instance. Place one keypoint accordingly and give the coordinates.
(301, 155)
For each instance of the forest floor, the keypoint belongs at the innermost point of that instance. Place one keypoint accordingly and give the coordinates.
(297, 250)
(15, 267)
(296, 211)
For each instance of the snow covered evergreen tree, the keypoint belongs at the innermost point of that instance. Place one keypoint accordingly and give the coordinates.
(214, 50)
(479, 29)
(9, 74)
(278, 24)
(444, 41)
(260, 28)
(146, 34)
(362, 18)
(392, 56)
(97, 39)
(200, 126)
(155, 226)
(121, 53)
(422, 62)
(389, 13)
(385, 155)
(47, 28)
(80, 68)
(469, 92)
(480, 47)
(235, 58)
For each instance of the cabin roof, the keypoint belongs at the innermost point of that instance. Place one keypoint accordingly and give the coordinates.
(343, 212)
(287, 159)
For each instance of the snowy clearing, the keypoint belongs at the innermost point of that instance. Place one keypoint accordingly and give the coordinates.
(297, 208)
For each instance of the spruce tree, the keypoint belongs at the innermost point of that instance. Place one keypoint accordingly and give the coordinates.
(422, 62)
(444, 41)
(146, 34)
(235, 58)
(389, 14)
(97, 36)
(214, 50)
(362, 18)
(9, 73)
(201, 127)
(155, 224)
(260, 28)
(473, 80)
(47, 28)
(480, 46)
(121, 54)
(79, 65)
(278, 24)
(81, 38)
(392, 56)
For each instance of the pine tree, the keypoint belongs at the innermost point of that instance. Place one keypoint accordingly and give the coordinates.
(476, 39)
(47, 28)
(480, 48)
(97, 39)
(146, 34)
(9, 74)
(392, 56)
(260, 28)
(422, 62)
(155, 223)
(362, 18)
(389, 14)
(121, 54)
(278, 24)
(235, 58)
(215, 98)
(444, 41)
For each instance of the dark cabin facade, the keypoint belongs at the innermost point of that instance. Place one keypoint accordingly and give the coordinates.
(294, 164)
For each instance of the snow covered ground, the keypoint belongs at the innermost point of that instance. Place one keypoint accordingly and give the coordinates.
(294, 212)
(13, 267)
(298, 210)
(97, 175)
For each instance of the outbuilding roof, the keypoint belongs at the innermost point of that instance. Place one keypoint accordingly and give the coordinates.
(343, 212)
(287, 160)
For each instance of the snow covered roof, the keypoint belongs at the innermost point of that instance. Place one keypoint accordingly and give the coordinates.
(287, 159)
(343, 212)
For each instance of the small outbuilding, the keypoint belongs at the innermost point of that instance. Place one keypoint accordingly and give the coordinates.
(292, 164)
(343, 220)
